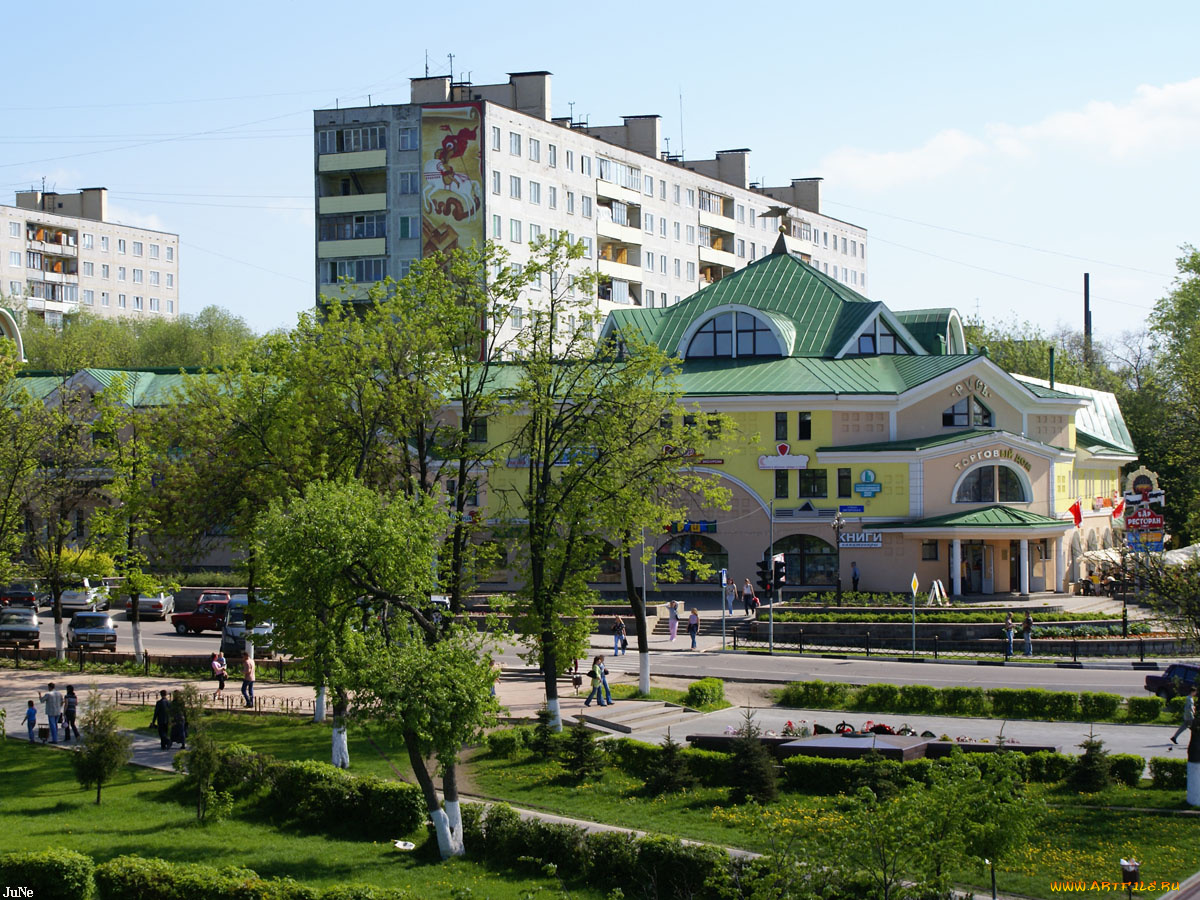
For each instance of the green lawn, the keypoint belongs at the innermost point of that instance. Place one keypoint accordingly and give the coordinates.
(142, 813)
(667, 695)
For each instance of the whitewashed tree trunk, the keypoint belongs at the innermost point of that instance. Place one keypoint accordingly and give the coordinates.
(137, 641)
(60, 647)
(555, 714)
(447, 845)
(341, 749)
(319, 706)
(644, 672)
(454, 820)
(1193, 784)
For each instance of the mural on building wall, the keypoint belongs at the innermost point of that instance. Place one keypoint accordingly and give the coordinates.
(451, 177)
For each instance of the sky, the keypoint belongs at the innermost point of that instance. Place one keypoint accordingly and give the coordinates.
(994, 153)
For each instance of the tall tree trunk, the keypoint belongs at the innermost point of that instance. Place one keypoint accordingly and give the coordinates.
(550, 675)
(341, 747)
(319, 704)
(135, 625)
(60, 648)
(451, 809)
(638, 602)
(441, 823)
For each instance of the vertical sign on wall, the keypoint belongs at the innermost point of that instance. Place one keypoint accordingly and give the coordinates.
(451, 177)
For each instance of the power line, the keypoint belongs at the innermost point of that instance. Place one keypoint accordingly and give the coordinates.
(243, 262)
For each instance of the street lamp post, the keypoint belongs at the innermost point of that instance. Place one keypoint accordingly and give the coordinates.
(837, 525)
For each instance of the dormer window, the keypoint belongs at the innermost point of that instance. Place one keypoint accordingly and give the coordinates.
(967, 413)
(734, 334)
(879, 340)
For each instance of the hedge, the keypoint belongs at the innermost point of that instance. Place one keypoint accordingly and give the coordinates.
(54, 874)
(1144, 709)
(317, 795)
(814, 694)
(1127, 768)
(1094, 705)
(962, 701)
(136, 878)
(1168, 772)
(508, 742)
(705, 692)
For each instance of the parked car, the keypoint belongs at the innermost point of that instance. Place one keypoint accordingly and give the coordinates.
(19, 595)
(233, 636)
(83, 597)
(158, 606)
(92, 630)
(19, 627)
(209, 615)
(1176, 681)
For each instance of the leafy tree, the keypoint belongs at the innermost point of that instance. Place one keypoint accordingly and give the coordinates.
(202, 760)
(21, 423)
(105, 750)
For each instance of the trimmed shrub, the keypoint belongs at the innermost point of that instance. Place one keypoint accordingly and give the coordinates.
(880, 696)
(503, 835)
(917, 698)
(508, 742)
(319, 796)
(1048, 767)
(1127, 768)
(560, 845)
(57, 874)
(637, 759)
(667, 867)
(962, 701)
(1144, 709)
(1168, 773)
(1174, 706)
(883, 777)
(814, 695)
(711, 767)
(816, 775)
(705, 692)
(472, 824)
(1094, 706)
(1061, 705)
(608, 858)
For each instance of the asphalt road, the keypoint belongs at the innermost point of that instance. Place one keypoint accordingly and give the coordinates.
(158, 637)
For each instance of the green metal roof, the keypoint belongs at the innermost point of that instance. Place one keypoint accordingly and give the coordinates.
(1100, 421)
(142, 387)
(995, 516)
(928, 326)
(914, 444)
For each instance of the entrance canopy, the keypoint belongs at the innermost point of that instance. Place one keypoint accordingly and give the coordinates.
(987, 522)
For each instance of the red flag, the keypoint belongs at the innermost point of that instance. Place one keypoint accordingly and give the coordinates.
(1076, 512)
(1119, 509)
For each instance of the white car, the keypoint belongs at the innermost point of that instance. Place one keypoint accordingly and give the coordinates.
(156, 606)
(83, 597)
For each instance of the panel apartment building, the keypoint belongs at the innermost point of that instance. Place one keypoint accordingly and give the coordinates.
(464, 162)
(59, 254)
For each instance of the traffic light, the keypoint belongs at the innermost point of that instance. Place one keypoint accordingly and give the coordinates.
(780, 573)
(764, 574)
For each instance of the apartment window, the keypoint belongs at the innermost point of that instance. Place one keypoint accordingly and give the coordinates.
(570, 160)
(170, 280)
(854, 248)
(154, 251)
(844, 480)
(585, 165)
(497, 225)
(781, 423)
(675, 193)
(691, 198)
(741, 213)
(662, 194)
(514, 143)
(104, 244)
(87, 238)
(662, 263)
(352, 227)
(535, 232)
(648, 221)
(552, 196)
(154, 276)
(351, 140)
(781, 484)
(405, 267)
(753, 218)
(514, 230)
(121, 301)
(587, 247)
(14, 258)
(804, 429)
(691, 271)
(843, 245)
(15, 289)
(535, 150)
(120, 245)
(104, 298)
(650, 299)
(929, 550)
(678, 266)
(170, 306)
(137, 303)
(812, 483)
(752, 249)
(662, 227)
(154, 304)
(120, 273)
(691, 234)
(14, 229)
(495, 181)
(409, 228)
(33, 259)
(409, 140)
(741, 248)
(649, 261)
(535, 192)
(359, 271)
(518, 313)
(825, 239)
(495, 138)
(571, 203)
(410, 182)
(552, 156)
(137, 248)
(675, 227)
(170, 253)
(648, 187)
(89, 298)
(104, 270)
(514, 187)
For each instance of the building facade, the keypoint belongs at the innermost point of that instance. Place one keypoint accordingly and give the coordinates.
(462, 163)
(60, 254)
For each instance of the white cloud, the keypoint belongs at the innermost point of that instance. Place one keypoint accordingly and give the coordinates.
(1157, 120)
(125, 216)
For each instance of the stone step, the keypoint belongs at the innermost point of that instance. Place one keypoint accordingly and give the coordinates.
(626, 717)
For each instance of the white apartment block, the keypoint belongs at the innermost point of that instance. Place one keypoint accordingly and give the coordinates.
(393, 181)
(60, 254)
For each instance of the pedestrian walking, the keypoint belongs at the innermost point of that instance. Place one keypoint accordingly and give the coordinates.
(219, 672)
(748, 596)
(54, 707)
(1189, 716)
(731, 592)
(1009, 631)
(162, 720)
(597, 676)
(248, 677)
(178, 721)
(673, 618)
(70, 710)
(854, 575)
(31, 719)
(604, 682)
(694, 625)
(1027, 631)
(620, 641)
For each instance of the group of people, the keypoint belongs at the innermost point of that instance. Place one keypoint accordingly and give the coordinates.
(170, 718)
(1026, 632)
(60, 710)
(220, 672)
(693, 626)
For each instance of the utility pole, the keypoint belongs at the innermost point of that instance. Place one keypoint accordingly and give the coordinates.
(1087, 321)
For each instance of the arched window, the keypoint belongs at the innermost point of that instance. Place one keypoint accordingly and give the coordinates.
(674, 564)
(609, 571)
(967, 413)
(991, 484)
(807, 560)
(734, 334)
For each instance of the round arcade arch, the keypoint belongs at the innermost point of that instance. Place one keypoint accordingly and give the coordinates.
(9, 329)
(671, 559)
(808, 560)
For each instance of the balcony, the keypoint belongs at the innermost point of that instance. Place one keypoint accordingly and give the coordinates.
(53, 248)
(616, 192)
(344, 162)
(60, 277)
(716, 221)
(626, 234)
(361, 247)
(352, 203)
(623, 271)
(713, 257)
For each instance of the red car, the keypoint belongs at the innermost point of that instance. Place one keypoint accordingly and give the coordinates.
(209, 615)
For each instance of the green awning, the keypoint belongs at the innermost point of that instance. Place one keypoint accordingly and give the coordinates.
(996, 516)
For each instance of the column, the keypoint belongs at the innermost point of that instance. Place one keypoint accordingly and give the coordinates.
(1060, 564)
(1024, 565)
(956, 567)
